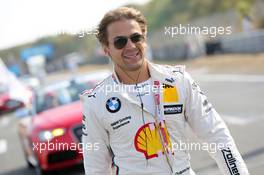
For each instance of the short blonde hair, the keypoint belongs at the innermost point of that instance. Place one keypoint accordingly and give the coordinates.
(116, 15)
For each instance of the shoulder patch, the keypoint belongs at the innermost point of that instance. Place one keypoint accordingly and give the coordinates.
(178, 69)
(86, 92)
(90, 91)
(175, 69)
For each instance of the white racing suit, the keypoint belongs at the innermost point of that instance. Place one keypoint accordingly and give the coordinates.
(120, 136)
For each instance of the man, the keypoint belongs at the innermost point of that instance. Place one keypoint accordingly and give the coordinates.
(136, 131)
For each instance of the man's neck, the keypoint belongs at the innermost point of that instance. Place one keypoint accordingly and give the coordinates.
(133, 77)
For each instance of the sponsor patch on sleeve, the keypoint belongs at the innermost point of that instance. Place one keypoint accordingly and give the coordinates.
(83, 126)
(230, 161)
(172, 109)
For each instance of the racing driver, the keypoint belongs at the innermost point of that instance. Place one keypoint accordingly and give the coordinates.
(138, 116)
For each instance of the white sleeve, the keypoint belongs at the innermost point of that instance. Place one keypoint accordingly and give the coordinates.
(97, 161)
(211, 129)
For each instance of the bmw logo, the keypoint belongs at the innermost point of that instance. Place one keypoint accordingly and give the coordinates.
(113, 104)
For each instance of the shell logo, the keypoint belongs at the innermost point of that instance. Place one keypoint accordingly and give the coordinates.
(148, 140)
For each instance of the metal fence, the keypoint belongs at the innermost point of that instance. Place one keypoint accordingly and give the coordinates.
(246, 42)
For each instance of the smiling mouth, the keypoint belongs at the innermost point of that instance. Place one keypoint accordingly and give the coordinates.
(131, 56)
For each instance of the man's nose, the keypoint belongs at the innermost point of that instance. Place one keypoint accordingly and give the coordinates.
(130, 44)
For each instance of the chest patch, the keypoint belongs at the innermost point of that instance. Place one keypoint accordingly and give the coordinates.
(170, 94)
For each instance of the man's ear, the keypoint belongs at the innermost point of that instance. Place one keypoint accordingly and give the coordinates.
(145, 31)
(106, 50)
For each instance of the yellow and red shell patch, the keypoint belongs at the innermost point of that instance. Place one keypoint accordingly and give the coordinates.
(148, 140)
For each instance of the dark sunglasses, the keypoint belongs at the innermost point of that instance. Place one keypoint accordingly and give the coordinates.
(121, 41)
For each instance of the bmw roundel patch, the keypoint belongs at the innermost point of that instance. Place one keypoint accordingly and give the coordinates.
(113, 104)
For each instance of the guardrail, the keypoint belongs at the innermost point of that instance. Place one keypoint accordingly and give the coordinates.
(246, 42)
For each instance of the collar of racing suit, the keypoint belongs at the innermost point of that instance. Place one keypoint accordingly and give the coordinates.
(156, 74)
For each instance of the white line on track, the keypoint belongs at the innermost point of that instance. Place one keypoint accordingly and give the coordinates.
(238, 120)
(230, 78)
(3, 146)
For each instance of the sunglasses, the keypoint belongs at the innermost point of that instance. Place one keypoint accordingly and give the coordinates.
(121, 41)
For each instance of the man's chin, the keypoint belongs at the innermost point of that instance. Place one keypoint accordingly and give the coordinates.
(134, 66)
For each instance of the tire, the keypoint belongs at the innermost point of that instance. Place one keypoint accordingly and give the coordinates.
(39, 171)
(29, 165)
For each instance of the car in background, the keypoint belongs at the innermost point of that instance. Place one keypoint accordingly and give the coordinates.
(8, 104)
(56, 120)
